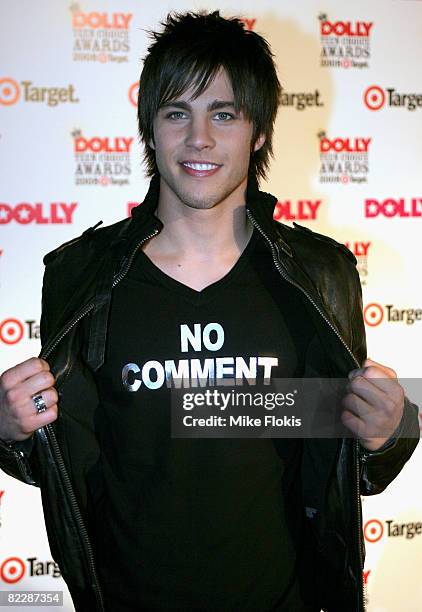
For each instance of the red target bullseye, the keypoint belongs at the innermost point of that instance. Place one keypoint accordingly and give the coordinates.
(373, 530)
(12, 570)
(11, 331)
(374, 97)
(373, 314)
(9, 91)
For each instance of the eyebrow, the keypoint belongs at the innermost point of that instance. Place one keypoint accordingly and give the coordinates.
(215, 105)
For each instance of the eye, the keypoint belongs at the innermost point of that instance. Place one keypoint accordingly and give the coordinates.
(175, 115)
(224, 116)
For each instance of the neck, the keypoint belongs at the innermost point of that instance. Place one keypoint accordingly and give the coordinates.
(211, 233)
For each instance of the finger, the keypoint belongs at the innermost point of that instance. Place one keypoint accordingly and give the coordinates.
(353, 423)
(383, 389)
(357, 406)
(365, 428)
(377, 370)
(29, 408)
(19, 373)
(21, 393)
(361, 431)
(49, 397)
(371, 423)
(34, 422)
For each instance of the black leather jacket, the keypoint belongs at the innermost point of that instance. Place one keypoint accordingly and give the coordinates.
(78, 282)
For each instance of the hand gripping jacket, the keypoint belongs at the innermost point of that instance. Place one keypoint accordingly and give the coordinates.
(79, 278)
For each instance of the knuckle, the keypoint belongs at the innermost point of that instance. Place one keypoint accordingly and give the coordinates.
(390, 405)
(47, 378)
(36, 364)
(399, 393)
(11, 396)
(357, 383)
(20, 412)
(44, 363)
(53, 413)
(6, 380)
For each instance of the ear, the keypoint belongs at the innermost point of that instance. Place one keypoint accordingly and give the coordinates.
(151, 143)
(259, 142)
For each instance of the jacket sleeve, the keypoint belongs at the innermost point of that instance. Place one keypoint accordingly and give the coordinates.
(379, 468)
(15, 460)
(18, 459)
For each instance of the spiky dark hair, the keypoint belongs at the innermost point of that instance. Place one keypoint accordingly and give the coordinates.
(189, 51)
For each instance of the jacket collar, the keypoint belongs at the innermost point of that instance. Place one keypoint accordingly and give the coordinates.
(260, 207)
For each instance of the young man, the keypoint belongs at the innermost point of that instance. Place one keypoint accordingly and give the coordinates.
(136, 519)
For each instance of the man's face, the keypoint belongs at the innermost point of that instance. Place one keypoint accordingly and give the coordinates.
(203, 147)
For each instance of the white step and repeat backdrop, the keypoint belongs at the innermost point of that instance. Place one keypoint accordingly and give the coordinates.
(348, 157)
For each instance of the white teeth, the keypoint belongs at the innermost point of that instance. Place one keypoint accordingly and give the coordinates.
(200, 166)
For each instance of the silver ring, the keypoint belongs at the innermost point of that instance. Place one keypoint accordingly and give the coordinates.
(39, 402)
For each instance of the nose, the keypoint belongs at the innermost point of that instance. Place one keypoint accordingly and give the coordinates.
(199, 134)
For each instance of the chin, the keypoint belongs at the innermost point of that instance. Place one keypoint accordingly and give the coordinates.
(206, 200)
(200, 203)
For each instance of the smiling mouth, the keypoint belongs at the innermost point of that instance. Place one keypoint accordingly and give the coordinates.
(200, 169)
(201, 166)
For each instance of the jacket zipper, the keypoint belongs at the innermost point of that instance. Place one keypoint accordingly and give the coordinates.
(52, 435)
(125, 268)
(275, 255)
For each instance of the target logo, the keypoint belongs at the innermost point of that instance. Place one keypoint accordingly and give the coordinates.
(373, 530)
(133, 94)
(9, 91)
(11, 331)
(374, 97)
(373, 314)
(12, 570)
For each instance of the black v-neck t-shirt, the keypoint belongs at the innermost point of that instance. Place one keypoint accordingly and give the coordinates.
(193, 524)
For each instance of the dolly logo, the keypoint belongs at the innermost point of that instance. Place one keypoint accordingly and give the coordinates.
(300, 210)
(102, 160)
(343, 160)
(344, 44)
(248, 23)
(39, 212)
(100, 36)
(360, 250)
(393, 207)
